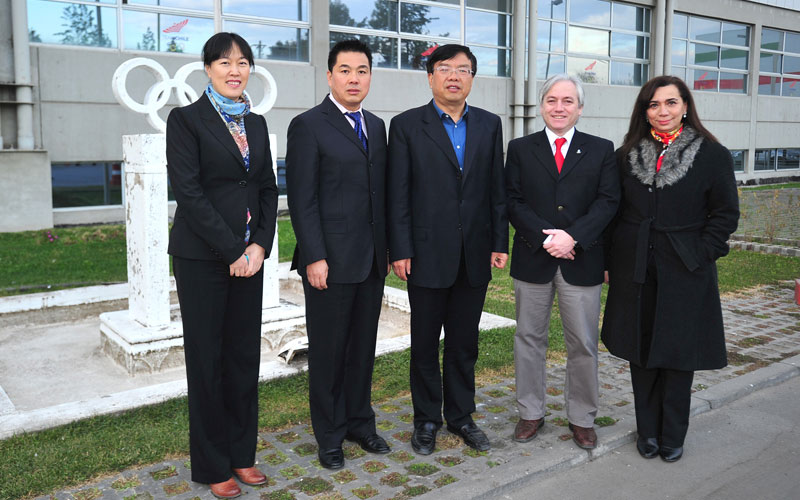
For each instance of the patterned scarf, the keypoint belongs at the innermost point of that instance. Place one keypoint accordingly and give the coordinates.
(233, 113)
(666, 139)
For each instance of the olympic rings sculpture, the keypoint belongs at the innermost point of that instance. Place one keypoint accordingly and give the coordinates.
(158, 95)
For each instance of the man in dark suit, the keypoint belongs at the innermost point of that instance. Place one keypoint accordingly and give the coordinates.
(335, 162)
(447, 228)
(563, 190)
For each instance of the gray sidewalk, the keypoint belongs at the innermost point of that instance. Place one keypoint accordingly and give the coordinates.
(763, 335)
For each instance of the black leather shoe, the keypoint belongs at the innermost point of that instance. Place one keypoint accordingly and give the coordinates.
(648, 447)
(372, 443)
(423, 440)
(332, 458)
(472, 435)
(669, 454)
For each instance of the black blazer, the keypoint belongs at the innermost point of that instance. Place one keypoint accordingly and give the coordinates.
(212, 187)
(336, 193)
(434, 208)
(581, 200)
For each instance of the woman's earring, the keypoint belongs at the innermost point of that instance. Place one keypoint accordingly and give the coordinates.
(684, 116)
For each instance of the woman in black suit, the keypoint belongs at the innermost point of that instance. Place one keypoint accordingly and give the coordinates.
(220, 169)
(663, 314)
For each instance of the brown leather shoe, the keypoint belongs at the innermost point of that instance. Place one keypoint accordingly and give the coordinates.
(228, 489)
(250, 476)
(527, 429)
(585, 437)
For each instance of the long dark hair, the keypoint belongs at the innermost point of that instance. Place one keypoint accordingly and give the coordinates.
(639, 127)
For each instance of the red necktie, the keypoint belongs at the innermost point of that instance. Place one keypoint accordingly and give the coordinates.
(559, 157)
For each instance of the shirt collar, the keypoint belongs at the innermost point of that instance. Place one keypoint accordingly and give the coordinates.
(345, 110)
(551, 136)
(441, 113)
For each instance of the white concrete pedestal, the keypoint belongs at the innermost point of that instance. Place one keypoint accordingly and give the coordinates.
(148, 337)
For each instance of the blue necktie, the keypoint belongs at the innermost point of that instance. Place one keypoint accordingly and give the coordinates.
(356, 117)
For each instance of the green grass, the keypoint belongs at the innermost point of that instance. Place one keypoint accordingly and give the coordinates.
(786, 185)
(38, 463)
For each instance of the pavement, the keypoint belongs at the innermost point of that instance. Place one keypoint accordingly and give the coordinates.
(763, 338)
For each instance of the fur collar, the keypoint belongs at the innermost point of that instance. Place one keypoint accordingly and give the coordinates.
(677, 160)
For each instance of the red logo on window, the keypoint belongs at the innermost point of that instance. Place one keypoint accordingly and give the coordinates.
(176, 27)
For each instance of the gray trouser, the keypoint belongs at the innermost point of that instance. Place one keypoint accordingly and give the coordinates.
(580, 314)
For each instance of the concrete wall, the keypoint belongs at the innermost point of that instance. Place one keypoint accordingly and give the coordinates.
(26, 202)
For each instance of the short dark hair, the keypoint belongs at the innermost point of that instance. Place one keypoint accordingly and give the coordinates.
(221, 45)
(449, 51)
(351, 45)
(639, 128)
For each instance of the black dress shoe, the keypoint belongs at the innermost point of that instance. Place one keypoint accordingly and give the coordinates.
(423, 440)
(472, 435)
(648, 447)
(669, 454)
(332, 458)
(372, 443)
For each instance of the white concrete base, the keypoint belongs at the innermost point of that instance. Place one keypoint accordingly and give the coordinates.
(141, 349)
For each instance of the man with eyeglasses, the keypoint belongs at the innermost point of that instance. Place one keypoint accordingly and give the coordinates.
(447, 229)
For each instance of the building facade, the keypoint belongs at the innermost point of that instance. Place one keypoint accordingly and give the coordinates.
(61, 126)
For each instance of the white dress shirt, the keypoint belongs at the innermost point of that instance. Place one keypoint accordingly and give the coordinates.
(551, 138)
(350, 120)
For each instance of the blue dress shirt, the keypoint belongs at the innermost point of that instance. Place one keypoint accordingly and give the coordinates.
(457, 132)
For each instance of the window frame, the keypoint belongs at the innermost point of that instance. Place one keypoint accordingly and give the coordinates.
(783, 53)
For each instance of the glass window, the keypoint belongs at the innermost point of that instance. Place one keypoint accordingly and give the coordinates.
(701, 47)
(553, 9)
(273, 42)
(549, 64)
(779, 63)
(492, 62)
(204, 5)
(488, 28)
(588, 70)
(769, 85)
(630, 17)
(594, 12)
(769, 62)
(738, 160)
(430, 24)
(165, 32)
(375, 14)
(384, 50)
(86, 184)
(588, 41)
(623, 73)
(788, 159)
(705, 80)
(735, 34)
(765, 159)
(614, 35)
(633, 46)
(771, 39)
(72, 24)
(292, 10)
(432, 21)
(551, 36)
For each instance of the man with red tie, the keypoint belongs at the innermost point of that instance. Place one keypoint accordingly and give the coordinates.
(562, 191)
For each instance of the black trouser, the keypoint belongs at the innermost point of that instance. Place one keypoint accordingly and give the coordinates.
(222, 343)
(662, 396)
(342, 326)
(457, 308)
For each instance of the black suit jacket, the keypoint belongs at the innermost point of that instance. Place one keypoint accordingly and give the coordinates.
(212, 187)
(581, 200)
(434, 208)
(336, 193)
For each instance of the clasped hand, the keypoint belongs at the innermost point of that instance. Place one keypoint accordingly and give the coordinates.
(562, 246)
(249, 263)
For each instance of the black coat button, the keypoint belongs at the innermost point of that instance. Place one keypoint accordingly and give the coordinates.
(243, 183)
(560, 208)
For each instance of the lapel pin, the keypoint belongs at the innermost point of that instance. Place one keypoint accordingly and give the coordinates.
(578, 151)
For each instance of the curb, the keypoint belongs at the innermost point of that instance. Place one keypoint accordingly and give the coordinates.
(512, 477)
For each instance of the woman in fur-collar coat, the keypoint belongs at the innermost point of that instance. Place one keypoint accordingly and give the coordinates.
(679, 206)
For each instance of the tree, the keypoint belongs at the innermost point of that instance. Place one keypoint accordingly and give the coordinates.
(290, 50)
(81, 28)
(148, 40)
(340, 14)
(33, 36)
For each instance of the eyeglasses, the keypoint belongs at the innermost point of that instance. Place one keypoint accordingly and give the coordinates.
(447, 71)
